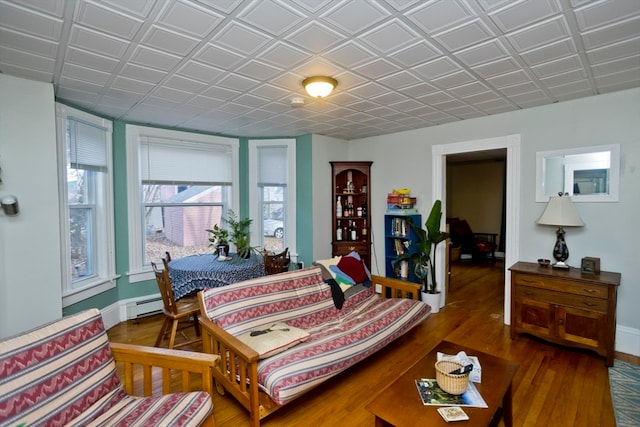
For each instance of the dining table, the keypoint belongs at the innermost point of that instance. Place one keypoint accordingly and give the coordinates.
(199, 272)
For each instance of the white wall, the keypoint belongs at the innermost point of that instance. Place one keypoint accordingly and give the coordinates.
(611, 231)
(30, 290)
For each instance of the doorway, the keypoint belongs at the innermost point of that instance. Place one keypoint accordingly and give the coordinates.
(511, 143)
(475, 201)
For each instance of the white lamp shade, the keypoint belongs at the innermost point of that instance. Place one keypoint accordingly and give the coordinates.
(319, 87)
(560, 211)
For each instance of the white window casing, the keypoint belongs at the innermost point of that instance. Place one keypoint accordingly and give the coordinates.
(157, 155)
(90, 150)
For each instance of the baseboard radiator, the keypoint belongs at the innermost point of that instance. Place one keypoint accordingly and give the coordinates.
(143, 308)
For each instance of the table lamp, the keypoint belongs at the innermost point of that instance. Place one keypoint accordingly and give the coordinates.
(560, 212)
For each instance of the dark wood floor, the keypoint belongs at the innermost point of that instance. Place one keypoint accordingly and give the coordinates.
(555, 386)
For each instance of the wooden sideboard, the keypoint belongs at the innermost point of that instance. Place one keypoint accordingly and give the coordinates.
(565, 306)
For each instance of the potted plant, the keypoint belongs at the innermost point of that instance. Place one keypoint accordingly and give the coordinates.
(220, 240)
(239, 234)
(423, 258)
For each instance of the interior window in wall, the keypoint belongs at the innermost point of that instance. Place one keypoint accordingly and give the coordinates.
(272, 204)
(185, 186)
(84, 143)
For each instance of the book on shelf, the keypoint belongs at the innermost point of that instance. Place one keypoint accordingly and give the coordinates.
(402, 270)
(398, 247)
(432, 394)
(399, 227)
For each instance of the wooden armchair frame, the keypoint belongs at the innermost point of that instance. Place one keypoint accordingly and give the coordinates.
(237, 370)
(170, 361)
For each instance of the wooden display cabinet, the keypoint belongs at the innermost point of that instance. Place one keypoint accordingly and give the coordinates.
(351, 183)
(565, 306)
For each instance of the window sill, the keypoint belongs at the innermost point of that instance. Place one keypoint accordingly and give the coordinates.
(140, 276)
(88, 291)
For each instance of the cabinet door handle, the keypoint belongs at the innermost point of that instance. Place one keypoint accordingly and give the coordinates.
(528, 293)
(528, 281)
(589, 304)
(591, 291)
(561, 321)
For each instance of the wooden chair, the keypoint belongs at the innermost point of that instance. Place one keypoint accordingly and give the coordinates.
(175, 311)
(277, 263)
(478, 245)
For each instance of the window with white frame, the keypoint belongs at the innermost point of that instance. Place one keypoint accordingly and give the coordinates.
(84, 146)
(272, 193)
(180, 185)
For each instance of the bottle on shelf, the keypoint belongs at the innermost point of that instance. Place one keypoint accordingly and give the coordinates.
(364, 229)
(339, 207)
(339, 232)
(354, 231)
(364, 208)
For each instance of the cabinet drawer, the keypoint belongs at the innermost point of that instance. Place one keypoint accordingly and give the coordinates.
(552, 297)
(553, 284)
(346, 248)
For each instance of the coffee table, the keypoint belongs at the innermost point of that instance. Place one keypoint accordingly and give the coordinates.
(400, 405)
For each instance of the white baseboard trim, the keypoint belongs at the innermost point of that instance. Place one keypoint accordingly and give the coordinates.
(117, 312)
(628, 340)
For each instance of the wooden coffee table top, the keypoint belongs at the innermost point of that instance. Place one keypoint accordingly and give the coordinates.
(400, 404)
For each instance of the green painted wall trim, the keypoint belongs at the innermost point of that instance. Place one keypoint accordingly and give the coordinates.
(304, 198)
(243, 178)
(125, 289)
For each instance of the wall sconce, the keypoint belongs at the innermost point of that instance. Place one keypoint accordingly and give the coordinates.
(319, 87)
(10, 205)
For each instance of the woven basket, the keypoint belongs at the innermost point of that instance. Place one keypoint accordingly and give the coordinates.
(453, 384)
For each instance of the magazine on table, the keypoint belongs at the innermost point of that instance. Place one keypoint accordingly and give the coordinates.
(431, 394)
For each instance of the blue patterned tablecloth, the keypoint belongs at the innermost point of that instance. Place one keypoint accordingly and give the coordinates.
(199, 272)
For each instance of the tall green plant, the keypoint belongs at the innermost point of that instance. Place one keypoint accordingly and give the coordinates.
(239, 231)
(424, 245)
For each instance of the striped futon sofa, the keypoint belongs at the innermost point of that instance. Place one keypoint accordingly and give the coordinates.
(339, 338)
(64, 373)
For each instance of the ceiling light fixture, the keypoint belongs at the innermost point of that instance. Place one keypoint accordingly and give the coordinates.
(319, 86)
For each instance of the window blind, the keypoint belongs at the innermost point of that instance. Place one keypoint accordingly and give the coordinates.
(87, 146)
(272, 165)
(166, 161)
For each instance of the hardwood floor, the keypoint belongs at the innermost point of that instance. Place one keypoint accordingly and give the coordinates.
(555, 386)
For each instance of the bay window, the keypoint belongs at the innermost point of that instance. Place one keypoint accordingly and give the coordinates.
(84, 147)
(272, 193)
(180, 185)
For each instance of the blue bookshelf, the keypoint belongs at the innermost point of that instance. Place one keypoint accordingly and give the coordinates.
(399, 236)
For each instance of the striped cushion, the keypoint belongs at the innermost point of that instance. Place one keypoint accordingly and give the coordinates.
(299, 298)
(63, 373)
(176, 410)
(51, 374)
(369, 324)
(338, 340)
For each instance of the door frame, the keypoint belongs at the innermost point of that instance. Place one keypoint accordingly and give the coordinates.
(512, 202)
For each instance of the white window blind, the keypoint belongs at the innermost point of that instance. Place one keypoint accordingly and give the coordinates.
(87, 146)
(272, 165)
(181, 162)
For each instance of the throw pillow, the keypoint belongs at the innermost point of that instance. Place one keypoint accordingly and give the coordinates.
(357, 256)
(274, 338)
(353, 268)
(325, 266)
